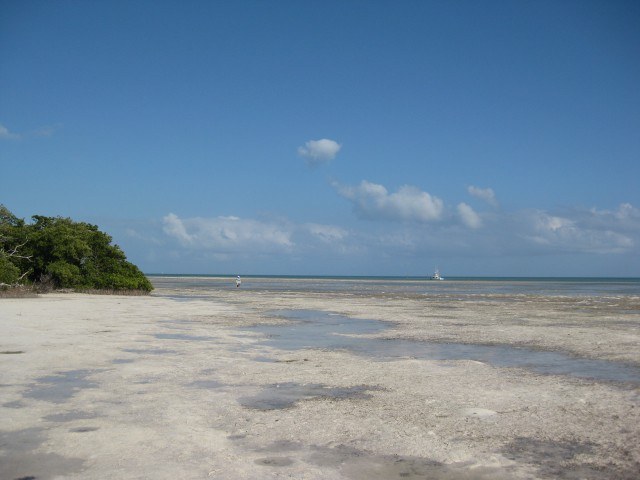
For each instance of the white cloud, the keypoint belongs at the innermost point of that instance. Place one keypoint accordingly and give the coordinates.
(173, 226)
(625, 216)
(626, 211)
(454, 232)
(327, 233)
(484, 194)
(5, 134)
(584, 232)
(46, 131)
(319, 151)
(228, 234)
(468, 216)
(373, 201)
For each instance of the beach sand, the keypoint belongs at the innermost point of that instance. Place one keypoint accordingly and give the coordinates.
(102, 387)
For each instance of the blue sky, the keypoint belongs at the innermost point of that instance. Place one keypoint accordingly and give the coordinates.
(331, 137)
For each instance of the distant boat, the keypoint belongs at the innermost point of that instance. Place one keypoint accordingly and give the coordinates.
(436, 275)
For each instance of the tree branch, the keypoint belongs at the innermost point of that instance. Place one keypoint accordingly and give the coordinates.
(14, 253)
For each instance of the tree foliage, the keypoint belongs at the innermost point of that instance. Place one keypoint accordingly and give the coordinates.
(12, 239)
(69, 254)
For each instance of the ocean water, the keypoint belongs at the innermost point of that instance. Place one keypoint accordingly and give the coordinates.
(410, 286)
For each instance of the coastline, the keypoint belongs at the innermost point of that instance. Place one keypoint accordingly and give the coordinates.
(173, 386)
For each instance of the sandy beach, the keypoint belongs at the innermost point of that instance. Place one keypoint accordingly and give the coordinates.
(168, 387)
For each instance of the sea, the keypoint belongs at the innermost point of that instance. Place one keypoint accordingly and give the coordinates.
(409, 286)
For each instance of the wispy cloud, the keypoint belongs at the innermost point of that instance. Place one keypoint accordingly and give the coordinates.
(468, 216)
(45, 131)
(175, 228)
(373, 201)
(251, 244)
(626, 215)
(521, 233)
(586, 231)
(459, 232)
(5, 134)
(485, 194)
(316, 152)
(228, 234)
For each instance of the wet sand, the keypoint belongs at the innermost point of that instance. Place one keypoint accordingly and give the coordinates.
(95, 387)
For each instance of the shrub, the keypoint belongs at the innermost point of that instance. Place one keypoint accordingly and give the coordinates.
(69, 254)
(64, 274)
(9, 273)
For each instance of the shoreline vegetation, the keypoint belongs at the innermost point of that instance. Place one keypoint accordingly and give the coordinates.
(56, 253)
(31, 291)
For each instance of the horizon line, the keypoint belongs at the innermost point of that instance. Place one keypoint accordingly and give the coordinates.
(453, 277)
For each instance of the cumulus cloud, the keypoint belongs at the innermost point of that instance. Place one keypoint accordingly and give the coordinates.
(228, 234)
(253, 242)
(468, 216)
(5, 134)
(174, 227)
(373, 201)
(428, 228)
(485, 194)
(316, 152)
(584, 231)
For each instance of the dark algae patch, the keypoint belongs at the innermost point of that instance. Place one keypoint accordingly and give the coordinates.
(20, 457)
(84, 429)
(182, 336)
(274, 461)
(355, 464)
(69, 416)
(61, 387)
(286, 395)
(149, 351)
(206, 384)
(560, 459)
